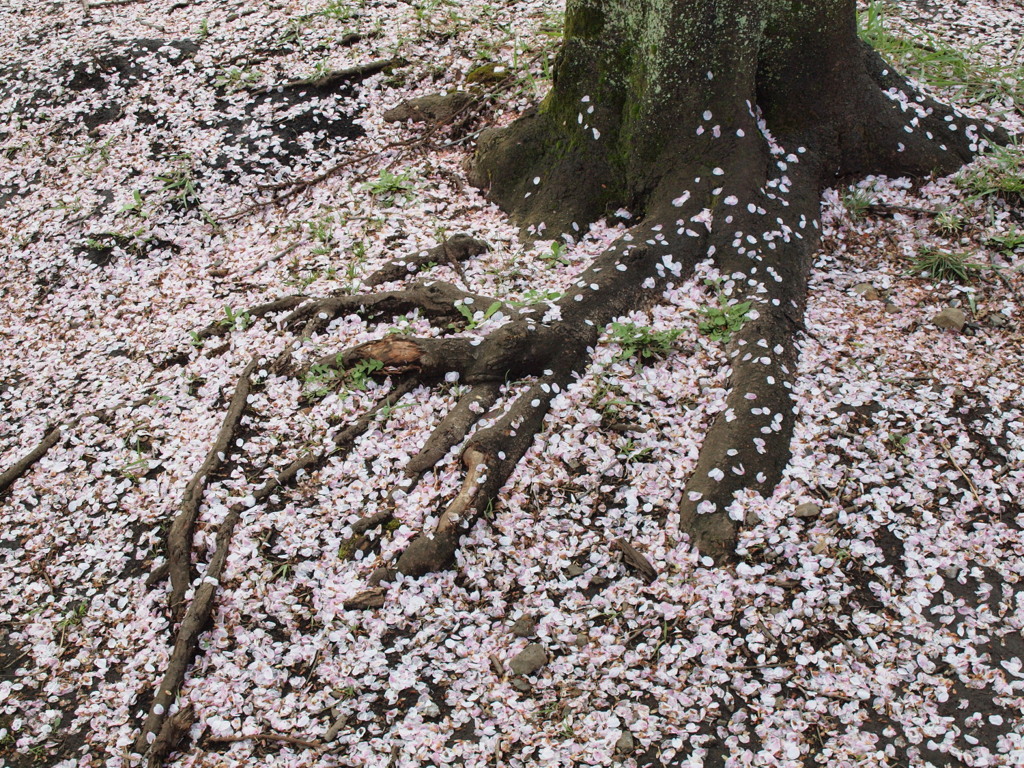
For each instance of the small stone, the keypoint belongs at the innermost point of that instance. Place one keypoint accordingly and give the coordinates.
(524, 626)
(626, 744)
(867, 291)
(573, 571)
(891, 309)
(529, 660)
(950, 318)
(581, 640)
(520, 685)
(807, 511)
(998, 320)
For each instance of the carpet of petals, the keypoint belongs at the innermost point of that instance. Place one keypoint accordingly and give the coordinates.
(881, 628)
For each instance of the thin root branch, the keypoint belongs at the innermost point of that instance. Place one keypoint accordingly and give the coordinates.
(22, 465)
(179, 539)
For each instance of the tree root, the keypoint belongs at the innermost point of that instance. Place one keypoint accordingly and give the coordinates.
(173, 732)
(25, 463)
(273, 737)
(197, 616)
(453, 251)
(454, 427)
(437, 302)
(331, 80)
(636, 560)
(52, 437)
(179, 538)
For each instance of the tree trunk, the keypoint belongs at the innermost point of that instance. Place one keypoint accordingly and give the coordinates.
(718, 124)
(640, 86)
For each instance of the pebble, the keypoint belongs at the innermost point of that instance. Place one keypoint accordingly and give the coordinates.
(867, 291)
(625, 744)
(807, 511)
(529, 660)
(950, 318)
(525, 626)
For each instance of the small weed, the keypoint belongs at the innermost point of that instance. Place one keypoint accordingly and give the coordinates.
(475, 319)
(1009, 243)
(320, 379)
(722, 321)
(858, 202)
(359, 374)
(631, 452)
(999, 172)
(69, 204)
(95, 149)
(73, 616)
(320, 70)
(386, 410)
(640, 341)
(339, 10)
(941, 265)
(135, 205)
(135, 470)
(949, 223)
(389, 186)
(556, 255)
(195, 340)
(236, 79)
(292, 34)
(533, 296)
(282, 571)
(236, 321)
(897, 443)
(180, 185)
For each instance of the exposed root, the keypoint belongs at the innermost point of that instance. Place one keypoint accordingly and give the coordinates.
(435, 301)
(453, 251)
(179, 538)
(52, 437)
(22, 465)
(197, 615)
(331, 80)
(454, 427)
(436, 107)
(223, 327)
(747, 447)
(173, 732)
(938, 138)
(489, 458)
(427, 358)
(273, 737)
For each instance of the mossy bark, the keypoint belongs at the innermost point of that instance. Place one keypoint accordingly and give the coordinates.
(636, 79)
(718, 123)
